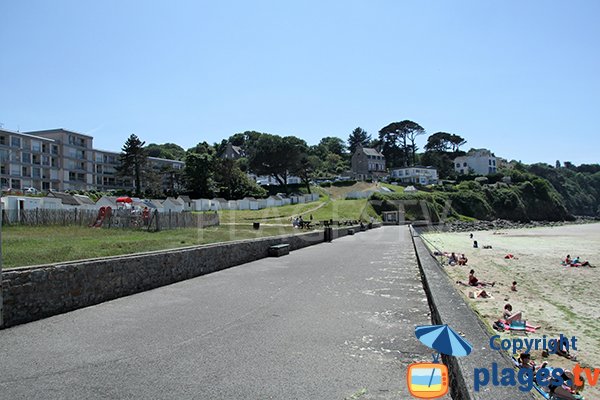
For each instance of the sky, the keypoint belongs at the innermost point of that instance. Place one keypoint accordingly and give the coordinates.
(520, 78)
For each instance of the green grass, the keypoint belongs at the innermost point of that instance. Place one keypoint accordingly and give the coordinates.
(324, 209)
(395, 188)
(277, 215)
(25, 245)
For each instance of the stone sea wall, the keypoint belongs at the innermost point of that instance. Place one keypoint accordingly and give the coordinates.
(42, 291)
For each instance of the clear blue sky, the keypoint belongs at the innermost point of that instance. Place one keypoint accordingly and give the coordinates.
(519, 77)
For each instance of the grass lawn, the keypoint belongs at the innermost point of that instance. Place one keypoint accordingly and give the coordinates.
(268, 215)
(395, 188)
(324, 209)
(25, 245)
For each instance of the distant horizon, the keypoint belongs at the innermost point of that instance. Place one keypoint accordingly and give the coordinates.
(517, 78)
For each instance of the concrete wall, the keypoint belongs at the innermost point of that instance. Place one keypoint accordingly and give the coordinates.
(42, 291)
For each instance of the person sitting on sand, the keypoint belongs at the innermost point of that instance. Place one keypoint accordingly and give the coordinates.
(473, 281)
(462, 260)
(508, 315)
(452, 259)
(568, 260)
(578, 263)
(525, 361)
(513, 288)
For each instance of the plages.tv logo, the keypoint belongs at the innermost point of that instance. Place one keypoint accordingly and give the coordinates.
(430, 380)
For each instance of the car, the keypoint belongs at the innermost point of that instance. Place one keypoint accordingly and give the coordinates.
(30, 190)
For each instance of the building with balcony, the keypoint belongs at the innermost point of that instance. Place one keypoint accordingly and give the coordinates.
(28, 160)
(416, 174)
(61, 159)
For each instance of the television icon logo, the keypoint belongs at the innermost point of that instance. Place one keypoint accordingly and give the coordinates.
(427, 380)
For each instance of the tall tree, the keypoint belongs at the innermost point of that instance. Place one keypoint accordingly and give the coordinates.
(199, 170)
(412, 131)
(358, 137)
(133, 161)
(394, 144)
(276, 156)
(457, 141)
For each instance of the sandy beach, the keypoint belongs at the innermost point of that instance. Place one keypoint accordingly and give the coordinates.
(560, 299)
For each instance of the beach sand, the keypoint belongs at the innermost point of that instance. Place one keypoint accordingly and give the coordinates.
(560, 299)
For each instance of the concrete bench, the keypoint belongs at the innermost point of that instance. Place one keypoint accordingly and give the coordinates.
(279, 250)
(350, 231)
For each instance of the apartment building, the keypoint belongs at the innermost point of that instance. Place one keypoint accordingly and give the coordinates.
(61, 159)
(28, 160)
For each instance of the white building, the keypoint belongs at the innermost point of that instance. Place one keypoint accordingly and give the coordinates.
(416, 174)
(477, 161)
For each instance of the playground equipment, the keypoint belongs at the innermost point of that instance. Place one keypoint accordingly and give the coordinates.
(103, 213)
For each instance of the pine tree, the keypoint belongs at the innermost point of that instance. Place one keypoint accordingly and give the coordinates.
(133, 160)
(358, 137)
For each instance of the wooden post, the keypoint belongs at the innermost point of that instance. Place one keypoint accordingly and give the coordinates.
(156, 214)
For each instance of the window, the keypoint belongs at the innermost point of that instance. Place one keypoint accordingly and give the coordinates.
(457, 165)
(16, 183)
(494, 162)
(36, 173)
(3, 140)
(36, 145)
(4, 155)
(80, 154)
(98, 169)
(54, 149)
(15, 141)
(99, 157)
(3, 169)
(44, 148)
(490, 161)
(26, 158)
(46, 160)
(45, 185)
(36, 159)
(464, 164)
(25, 171)
(15, 170)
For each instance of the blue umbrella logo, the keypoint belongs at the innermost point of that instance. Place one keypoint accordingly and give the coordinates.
(443, 339)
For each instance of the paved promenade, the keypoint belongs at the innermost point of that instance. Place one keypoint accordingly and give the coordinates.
(330, 321)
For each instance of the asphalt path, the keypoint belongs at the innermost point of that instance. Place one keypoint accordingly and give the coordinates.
(331, 321)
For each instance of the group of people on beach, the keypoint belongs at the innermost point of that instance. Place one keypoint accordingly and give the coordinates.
(575, 262)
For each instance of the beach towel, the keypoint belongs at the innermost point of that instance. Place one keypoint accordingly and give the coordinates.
(517, 326)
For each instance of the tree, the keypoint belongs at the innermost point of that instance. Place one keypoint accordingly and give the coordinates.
(395, 138)
(199, 170)
(333, 145)
(170, 151)
(306, 168)
(276, 156)
(457, 141)
(233, 183)
(133, 161)
(412, 131)
(358, 137)
(441, 150)
(439, 141)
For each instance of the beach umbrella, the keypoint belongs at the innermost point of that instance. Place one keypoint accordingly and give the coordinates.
(124, 199)
(443, 339)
